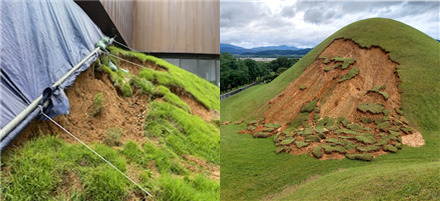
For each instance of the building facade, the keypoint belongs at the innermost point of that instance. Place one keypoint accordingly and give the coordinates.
(183, 32)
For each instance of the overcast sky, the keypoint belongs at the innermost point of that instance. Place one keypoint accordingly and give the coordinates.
(306, 23)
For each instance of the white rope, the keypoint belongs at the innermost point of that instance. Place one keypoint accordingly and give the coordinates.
(53, 121)
(125, 46)
(109, 54)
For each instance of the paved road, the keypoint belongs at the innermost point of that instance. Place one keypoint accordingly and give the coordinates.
(223, 96)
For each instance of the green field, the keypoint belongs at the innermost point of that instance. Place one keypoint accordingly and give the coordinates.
(251, 170)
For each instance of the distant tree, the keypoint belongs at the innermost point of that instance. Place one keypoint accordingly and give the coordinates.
(281, 70)
(253, 68)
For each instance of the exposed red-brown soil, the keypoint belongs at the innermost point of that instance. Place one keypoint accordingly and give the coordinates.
(126, 113)
(340, 99)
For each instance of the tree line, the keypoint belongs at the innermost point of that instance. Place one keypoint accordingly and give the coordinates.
(235, 72)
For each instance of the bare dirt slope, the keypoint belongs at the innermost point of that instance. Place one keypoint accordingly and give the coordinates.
(339, 99)
(346, 104)
(127, 113)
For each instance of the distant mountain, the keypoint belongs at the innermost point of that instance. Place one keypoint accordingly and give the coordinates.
(232, 49)
(280, 47)
(438, 40)
(279, 52)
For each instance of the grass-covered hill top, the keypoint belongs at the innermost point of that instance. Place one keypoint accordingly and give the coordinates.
(284, 176)
(158, 124)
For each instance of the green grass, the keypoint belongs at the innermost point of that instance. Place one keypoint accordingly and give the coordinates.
(171, 98)
(38, 168)
(411, 182)
(120, 80)
(362, 157)
(411, 173)
(113, 136)
(272, 125)
(97, 104)
(206, 93)
(182, 132)
(350, 74)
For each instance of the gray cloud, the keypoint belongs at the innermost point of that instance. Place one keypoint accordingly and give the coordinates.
(307, 23)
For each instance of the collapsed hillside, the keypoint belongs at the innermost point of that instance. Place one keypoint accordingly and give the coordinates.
(347, 103)
(161, 121)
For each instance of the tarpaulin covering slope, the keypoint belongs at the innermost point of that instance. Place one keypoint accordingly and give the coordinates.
(40, 42)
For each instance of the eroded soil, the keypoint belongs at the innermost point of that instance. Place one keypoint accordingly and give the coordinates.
(322, 81)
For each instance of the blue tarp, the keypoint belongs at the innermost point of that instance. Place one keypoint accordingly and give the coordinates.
(40, 42)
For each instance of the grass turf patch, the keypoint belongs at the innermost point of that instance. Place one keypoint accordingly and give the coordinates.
(184, 133)
(374, 108)
(362, 157)
(351, 73)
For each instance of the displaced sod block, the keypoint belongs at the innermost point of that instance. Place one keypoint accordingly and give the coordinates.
(351, 73)
(374, 108)
(384, 125)
(287, 141)
(329, 149)
(313, 138)
(363, 157)
(309, 106)
(272, 125)
(300, 144)
(368, 148)
(365, 139)
(282, 149)
(317, 152)
(390, 148)
(366, 120)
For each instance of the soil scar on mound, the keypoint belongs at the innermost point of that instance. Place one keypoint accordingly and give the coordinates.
(356, 87)
(339, 99)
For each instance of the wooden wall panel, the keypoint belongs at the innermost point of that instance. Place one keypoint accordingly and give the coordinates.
(121, 13)
(176, 26)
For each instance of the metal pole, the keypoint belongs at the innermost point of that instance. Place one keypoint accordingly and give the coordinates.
(14, 122)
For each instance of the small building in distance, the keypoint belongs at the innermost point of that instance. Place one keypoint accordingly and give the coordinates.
(185, 33)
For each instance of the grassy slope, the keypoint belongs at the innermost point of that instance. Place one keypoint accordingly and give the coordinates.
(42, 168)
(205, 92)
(244, 176)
